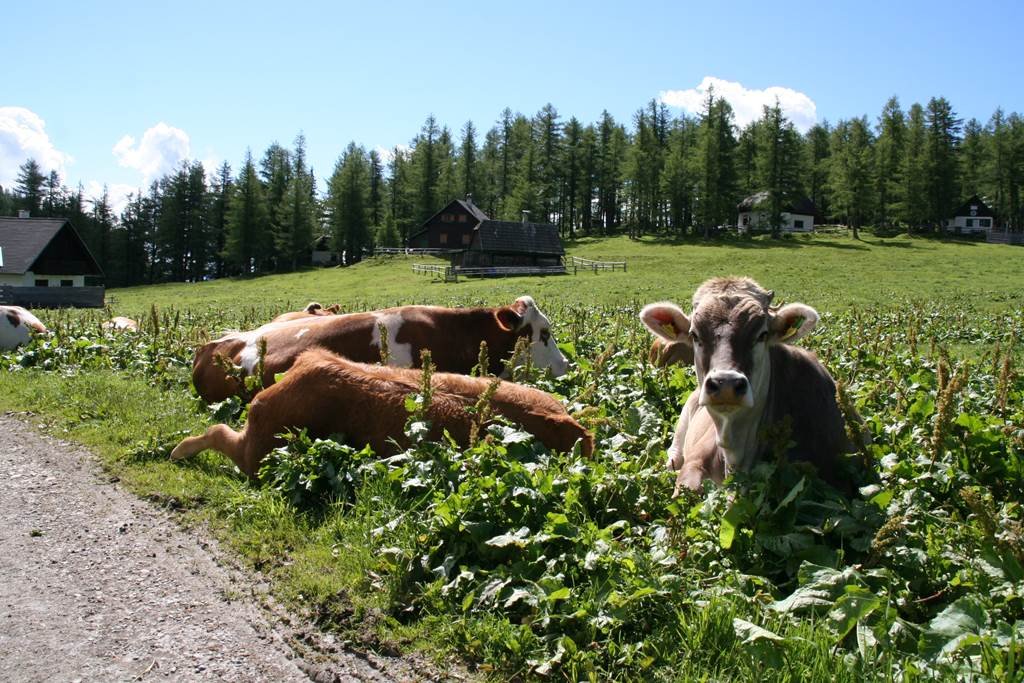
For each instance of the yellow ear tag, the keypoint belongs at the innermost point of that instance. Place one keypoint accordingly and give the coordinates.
(794, 328)
(669, 329)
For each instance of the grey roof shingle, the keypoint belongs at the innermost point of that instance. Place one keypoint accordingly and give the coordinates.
(519, 238)
(23, 240)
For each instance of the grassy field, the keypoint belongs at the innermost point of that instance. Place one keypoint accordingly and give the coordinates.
(529, 564)
(832, 273)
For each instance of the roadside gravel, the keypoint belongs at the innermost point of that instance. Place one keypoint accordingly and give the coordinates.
(97, 585)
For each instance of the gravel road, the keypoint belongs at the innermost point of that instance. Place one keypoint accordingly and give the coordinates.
(97, 585)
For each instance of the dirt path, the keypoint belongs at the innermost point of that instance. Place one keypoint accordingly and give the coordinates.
(96, 585)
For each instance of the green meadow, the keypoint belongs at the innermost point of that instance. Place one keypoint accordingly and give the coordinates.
(520, 563)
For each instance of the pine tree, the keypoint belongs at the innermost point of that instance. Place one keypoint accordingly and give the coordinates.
(425, 163)
(913, 202)
(548, 134)
(248, 222)
(467, 161)
(715, 158)
(294, 234)
(276, 173)
(972, 160)
(778, 163)
(677, 181)
(612, 145)
(103, 223)
(347, 201)
(851, 176)
(889, 153)
(220, 195)
(816, 165)
(572, 176)
(54, 196)
(29, 185)
(940, 160)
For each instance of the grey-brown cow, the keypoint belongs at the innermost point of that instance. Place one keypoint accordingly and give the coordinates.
(749, 378)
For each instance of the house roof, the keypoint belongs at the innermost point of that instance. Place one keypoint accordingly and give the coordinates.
(23, 241)
(519, 238)
(799, 205)
(982, 209)
(466, 204)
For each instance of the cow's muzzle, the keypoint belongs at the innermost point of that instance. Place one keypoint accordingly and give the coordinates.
(726, 389)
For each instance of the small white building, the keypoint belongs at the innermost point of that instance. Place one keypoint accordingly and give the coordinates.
(797, 215)
(973, 217)
(44, 262)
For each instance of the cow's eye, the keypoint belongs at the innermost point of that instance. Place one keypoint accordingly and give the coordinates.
(545, 335)
(694, 337)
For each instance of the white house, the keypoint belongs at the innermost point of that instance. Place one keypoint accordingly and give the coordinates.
(797, 215)
(971, 218)
(44, 262)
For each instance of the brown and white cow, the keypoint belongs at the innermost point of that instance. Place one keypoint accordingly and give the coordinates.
(453, 336)
(312, 309)
(17, 326)
(327, 394)
(749, 379)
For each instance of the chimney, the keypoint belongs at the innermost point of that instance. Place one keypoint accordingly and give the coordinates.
(526, 216)
(23, 213)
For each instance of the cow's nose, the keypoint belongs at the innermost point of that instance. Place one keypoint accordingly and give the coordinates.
(726, 388)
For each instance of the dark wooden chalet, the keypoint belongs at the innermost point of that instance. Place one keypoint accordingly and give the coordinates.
(450, 228)
(510, 243)
(45, 263)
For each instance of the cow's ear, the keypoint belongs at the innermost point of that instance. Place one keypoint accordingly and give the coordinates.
(667, 321)
(508, 318)
(791, 322)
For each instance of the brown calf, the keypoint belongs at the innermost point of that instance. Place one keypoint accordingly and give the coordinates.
(750, 381)
(453, 336)
(326, 394)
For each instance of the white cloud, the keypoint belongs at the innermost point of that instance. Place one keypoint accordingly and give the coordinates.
(161, 151)
(23, 136)
(387, 154)
(748, 104)
(117, 194)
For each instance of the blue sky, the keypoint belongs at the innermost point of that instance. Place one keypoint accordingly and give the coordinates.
(118, 93)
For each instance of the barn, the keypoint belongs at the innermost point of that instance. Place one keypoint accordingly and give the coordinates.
(506, 244)
(797, 215)
(45, 263)
(450, 228)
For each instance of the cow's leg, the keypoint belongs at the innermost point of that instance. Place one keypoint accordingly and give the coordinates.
(219, 438)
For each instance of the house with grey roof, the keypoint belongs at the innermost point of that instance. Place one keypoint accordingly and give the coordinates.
(797, 214)
(45, 263)
(514, 244)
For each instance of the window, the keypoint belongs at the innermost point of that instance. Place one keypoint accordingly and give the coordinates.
(798, 225)
(443, 239)
(970, 222)
(462, 218)
(447, 218)
(67, 283)
(985, 222)
(42, 283)
(466, 239)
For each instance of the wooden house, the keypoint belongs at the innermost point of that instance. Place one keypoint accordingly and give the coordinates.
(450, 228)
(797, 215)
(973, 217)
(514, 244)
(45, 263)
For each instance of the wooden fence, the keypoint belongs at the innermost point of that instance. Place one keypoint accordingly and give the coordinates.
(579, 264)
(1005, 237)
(52, 297)
(450, 274)
(409, 251)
